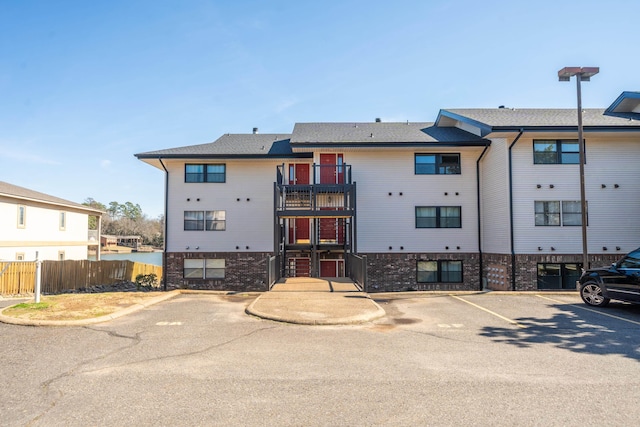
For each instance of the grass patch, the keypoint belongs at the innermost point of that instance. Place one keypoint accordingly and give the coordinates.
(77, 306)
(32, 305)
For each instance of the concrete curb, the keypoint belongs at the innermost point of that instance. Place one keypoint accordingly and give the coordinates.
(93, 320)
(366, 316)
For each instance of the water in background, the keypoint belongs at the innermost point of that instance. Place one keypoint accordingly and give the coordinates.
(154, 258)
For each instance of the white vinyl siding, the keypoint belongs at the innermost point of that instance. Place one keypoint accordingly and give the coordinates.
(609, 162)
(494, 178)
(389, 220)
(45, 231)
(246, 199)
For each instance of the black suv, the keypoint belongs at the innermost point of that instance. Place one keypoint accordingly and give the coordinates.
(621, 282)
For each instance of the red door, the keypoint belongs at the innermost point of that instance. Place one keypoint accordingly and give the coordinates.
(331, 268)
(328, 268)
(299, 267)
(332, 229)
(331, 169)
(299, 173)
(298, 230)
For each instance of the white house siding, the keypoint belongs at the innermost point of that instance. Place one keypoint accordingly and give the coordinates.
(612, 219)
(249, 221)
(41, 232)
(385, 220)
(494, 181)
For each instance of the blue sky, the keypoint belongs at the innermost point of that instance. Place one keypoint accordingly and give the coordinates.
(84, 85)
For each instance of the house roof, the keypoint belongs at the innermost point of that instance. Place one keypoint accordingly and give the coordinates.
(379, 134)
(499, 119)
(627, 105)
(21, 193)
(230, 145)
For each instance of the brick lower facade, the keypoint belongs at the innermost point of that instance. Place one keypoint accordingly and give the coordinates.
(393, 272)
(386, 272)
(244, 271)
(497, 268)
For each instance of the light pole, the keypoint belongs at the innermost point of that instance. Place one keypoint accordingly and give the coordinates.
(583, 74)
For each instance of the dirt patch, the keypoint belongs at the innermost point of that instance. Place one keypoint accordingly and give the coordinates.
(77, 306)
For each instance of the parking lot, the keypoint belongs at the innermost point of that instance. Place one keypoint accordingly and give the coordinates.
(462, 359)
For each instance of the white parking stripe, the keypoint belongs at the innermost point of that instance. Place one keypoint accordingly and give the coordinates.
(592, 310)
(513, 322)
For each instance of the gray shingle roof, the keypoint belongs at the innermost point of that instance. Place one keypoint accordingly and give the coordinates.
(17, 192)
(532, 117)
(230, 145)
(376, 133)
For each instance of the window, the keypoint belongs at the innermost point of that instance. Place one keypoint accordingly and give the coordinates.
(548, 213)
(439, 271)
(558, 275)
(62, 221)
(20, 256)
(556, 152)
(22, 216)
(204, 173)
(204, 268)
(215, 220)
(437, 164)
(631, 260)
(438, 217)
(205, 220)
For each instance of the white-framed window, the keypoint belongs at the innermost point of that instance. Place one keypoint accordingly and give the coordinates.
(22, 216)
(204, 268)
(20, 256)
(62, 221)
(205, 220)
(555, 212)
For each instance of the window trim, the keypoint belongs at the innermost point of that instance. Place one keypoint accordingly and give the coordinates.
(438, 164)
(62, 220)
(22, 215)
(558, 151)
(438, 217)
(439, 271)
(205, 173)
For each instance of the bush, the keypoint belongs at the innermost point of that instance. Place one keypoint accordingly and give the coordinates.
(146, 281)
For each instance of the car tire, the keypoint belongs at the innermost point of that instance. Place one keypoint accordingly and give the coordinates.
(591, 294)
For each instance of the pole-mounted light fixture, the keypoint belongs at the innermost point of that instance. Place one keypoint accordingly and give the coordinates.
(582, 74)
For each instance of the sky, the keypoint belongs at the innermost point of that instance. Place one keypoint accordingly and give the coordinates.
(85, 85)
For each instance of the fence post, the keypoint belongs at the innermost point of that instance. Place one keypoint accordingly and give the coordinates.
(38, 278)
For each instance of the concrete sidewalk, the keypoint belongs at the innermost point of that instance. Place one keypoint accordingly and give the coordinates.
(311, 301)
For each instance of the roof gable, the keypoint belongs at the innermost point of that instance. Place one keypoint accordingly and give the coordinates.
(21, 193)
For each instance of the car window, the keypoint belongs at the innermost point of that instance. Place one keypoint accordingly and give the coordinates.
(632, 260)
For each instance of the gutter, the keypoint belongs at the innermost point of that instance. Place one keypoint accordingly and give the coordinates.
(164, 241)
(479, 213)
(511, 238)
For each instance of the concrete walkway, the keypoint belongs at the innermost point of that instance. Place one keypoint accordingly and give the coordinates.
(312, 301)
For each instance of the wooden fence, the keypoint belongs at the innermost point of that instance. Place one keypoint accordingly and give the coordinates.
(58, 276)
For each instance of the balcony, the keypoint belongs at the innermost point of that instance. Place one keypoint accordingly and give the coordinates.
(322, 191)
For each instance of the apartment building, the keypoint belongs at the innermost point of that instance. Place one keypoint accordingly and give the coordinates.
(481, 198)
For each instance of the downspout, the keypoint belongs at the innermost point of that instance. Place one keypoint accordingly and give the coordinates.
(164, 241)
(511, 238)
(486, 147)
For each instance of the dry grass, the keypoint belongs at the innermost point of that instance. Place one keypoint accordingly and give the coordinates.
(77, 306)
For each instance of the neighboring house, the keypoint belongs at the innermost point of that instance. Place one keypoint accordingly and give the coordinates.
(480, 198)
(56, 229)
